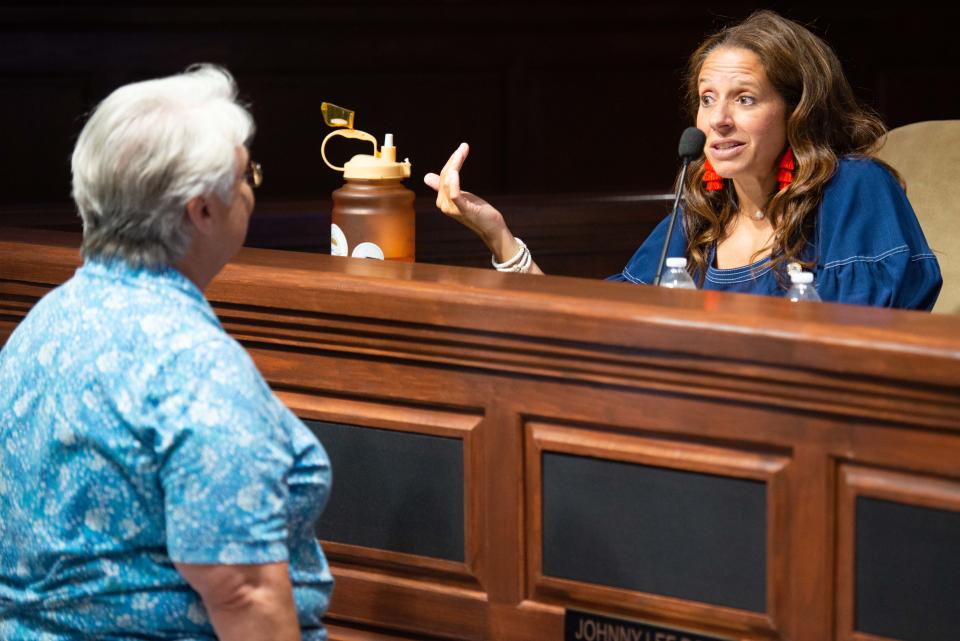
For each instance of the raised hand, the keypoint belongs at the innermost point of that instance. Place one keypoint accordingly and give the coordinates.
(467, 208)
(472, 211)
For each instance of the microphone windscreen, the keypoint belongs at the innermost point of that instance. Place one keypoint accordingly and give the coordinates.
(691, 143)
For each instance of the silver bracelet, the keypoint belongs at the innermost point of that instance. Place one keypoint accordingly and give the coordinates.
(520, 263)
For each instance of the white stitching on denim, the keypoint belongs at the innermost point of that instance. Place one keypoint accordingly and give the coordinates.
(726, 279)
(736, 271)
(867, 259)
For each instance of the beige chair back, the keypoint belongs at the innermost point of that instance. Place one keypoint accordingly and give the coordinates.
(927, 155)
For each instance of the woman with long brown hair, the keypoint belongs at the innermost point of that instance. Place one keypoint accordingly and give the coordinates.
(788, 177)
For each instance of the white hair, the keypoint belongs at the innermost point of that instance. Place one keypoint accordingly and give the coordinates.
(148, 149)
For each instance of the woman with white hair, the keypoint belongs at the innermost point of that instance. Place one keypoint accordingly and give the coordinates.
(151, 484)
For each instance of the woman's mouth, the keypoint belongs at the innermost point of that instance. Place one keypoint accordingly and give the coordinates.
(726, 149)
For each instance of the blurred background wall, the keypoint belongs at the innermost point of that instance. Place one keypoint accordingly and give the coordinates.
(554, 97)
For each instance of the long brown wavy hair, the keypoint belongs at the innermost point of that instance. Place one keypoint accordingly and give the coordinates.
(825, 121)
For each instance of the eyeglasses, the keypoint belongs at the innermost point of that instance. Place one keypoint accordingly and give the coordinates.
(253, 175)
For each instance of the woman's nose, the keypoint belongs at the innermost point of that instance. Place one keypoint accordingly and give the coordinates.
(721, 118)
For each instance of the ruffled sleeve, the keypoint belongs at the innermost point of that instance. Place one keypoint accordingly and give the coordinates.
(641, 267)
(871, 250)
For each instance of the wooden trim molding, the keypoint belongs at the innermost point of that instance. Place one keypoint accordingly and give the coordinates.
(673, 453)
(416, 420)
(896, 486)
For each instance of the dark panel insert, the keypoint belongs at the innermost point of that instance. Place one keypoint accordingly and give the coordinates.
(907, 571)
(394, 491)
(682, 534)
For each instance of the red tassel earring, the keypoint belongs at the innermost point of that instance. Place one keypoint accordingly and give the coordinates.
(785, 169)
(712, 178)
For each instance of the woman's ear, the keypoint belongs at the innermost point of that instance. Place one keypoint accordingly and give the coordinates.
(198, 213)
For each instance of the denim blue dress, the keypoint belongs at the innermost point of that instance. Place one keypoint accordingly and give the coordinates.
(868, 247)
(135, 433)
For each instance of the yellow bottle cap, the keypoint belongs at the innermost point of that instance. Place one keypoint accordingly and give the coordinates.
(382, 165)
(363, 166)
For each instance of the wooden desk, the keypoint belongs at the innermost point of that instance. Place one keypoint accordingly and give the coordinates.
(508, 446)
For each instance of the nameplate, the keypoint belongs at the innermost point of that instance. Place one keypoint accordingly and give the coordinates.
(587, 626)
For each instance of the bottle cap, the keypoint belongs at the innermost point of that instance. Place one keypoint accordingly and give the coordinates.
(676, 261)
(802, 278)
(363, 166)
(381, 165)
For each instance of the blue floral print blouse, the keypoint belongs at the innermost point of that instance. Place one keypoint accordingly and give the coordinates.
(868, 247)
(135, 433)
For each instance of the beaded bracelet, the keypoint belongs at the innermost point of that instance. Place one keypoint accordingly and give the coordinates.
(519, 263)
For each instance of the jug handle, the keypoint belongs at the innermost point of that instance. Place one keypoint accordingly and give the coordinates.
(346, 133)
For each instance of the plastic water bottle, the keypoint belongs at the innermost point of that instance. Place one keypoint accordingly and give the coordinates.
(801, 287)
(675, 275)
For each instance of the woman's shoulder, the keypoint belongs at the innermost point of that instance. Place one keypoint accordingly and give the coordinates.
(863, 190)
(870, 246)
(857, 169)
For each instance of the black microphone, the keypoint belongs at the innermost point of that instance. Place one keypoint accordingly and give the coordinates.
(690, 148)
